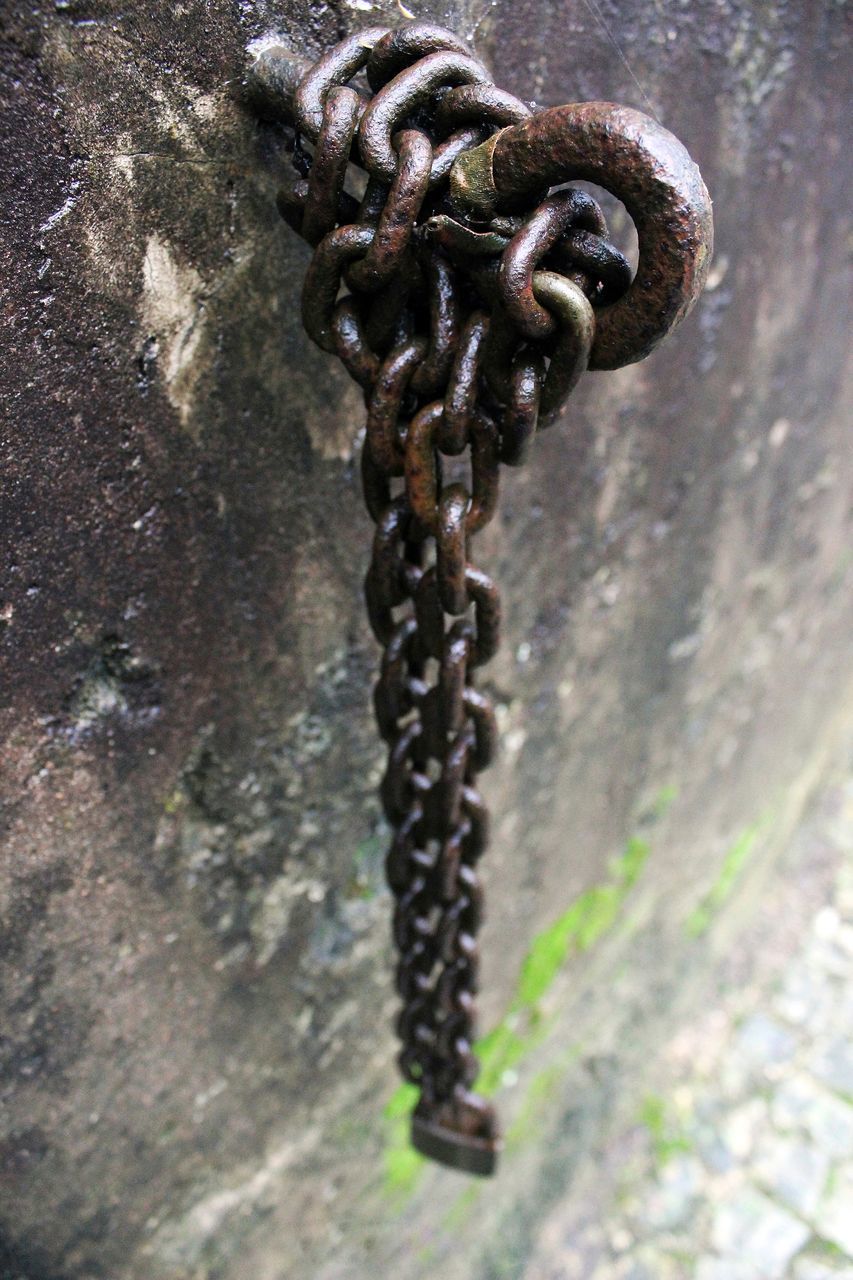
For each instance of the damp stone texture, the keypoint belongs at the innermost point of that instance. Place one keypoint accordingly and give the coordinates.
(197, 1073)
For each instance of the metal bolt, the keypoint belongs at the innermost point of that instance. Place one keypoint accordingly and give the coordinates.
(272, 79)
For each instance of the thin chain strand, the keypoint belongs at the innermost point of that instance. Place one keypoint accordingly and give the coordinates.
(426, 328)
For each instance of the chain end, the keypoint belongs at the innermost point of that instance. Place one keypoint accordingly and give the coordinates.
(461, 1133)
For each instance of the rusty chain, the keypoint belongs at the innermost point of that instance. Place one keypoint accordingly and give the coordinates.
(473, 299)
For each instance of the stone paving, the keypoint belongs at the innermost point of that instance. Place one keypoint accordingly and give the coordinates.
(741, 1167)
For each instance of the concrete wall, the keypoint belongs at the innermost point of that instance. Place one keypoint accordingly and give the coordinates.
(195, 1006)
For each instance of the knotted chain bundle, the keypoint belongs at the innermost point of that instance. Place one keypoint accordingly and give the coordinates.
(473, 301)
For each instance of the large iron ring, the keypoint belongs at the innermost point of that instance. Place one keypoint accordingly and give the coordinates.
(645, 167)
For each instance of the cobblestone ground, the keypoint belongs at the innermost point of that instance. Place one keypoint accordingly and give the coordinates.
(740, 1164)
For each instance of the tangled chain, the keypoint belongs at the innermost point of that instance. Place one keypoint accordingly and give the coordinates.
(466, 336)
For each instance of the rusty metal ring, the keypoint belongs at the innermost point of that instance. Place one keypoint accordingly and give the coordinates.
(447, 869)
(429, 615)
(485, 472)
(386, 566)
(443, 804)
(500, 349)
(412, 88)
(423, 469)
(645, 167)
(376, 485)
(290, 202)
(487, 613)
(351, 345)
(453, 680)
(372, 202)
(398, 861)
(422, 464)
(481, 713)
(477, 838)
(391, 698)
(463, 385)
(394, 787)
(388, 319)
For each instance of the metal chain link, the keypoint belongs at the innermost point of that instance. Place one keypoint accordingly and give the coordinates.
(467, 328)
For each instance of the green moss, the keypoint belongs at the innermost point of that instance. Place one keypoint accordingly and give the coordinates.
(586, 921)
(402, 1164)
(524, 1026)
(824, 1250)
(699, 920)
(686, 1258)
(402, 1102)
(463, 1206)
(499, 1051)
(368, 871)
(173, 802)
(663, 801)
(167, 1133)
(588, 918)
(350, 1132)
(369, 854)
(628, 867)
(547, 955)
(664, 1129)
(539, 1095)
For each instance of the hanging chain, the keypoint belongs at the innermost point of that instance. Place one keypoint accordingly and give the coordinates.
(473, 302)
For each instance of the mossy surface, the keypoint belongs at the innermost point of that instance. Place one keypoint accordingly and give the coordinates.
(734, 863)
(402, 1164)
(368, 871)
(664, 1127)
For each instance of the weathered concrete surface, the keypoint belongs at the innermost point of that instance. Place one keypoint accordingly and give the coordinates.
(194, 1027)
(736, 1160)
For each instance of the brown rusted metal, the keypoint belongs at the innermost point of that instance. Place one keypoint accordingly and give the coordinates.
(397, 220)
(336, 67)
(558, 214)
(341, 111)
(410, 89)
(642, 164)
(462, 1137)
(468, 321)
